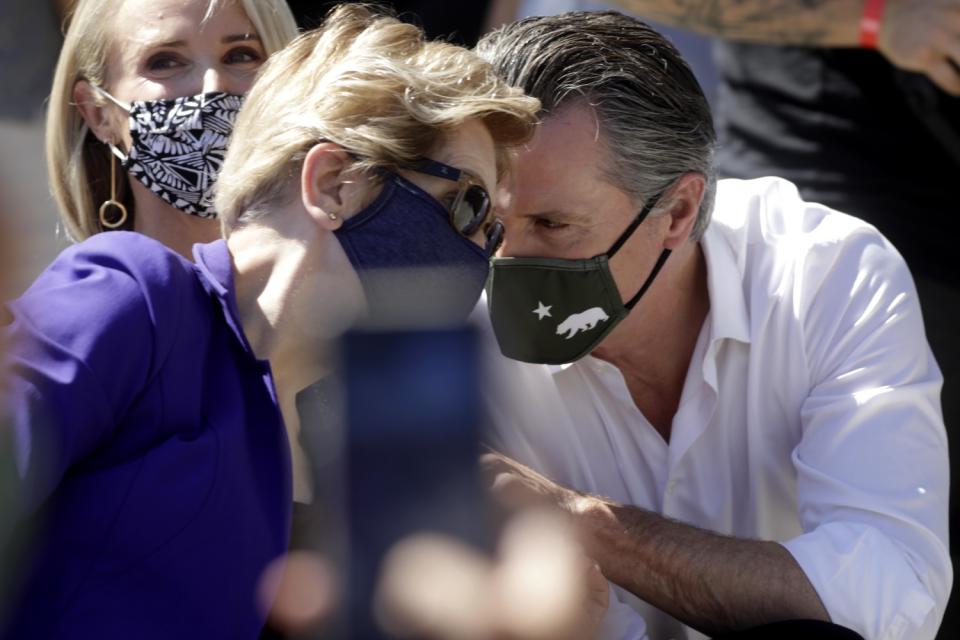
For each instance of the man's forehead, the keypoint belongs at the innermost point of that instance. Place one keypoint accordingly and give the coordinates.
(579, 115)
(567, 140)
(562, 169)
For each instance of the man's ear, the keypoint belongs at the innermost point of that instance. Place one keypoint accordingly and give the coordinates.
(93, 111)
(684, 200)
(322, 184)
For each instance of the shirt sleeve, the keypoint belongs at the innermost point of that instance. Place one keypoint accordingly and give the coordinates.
(872, 469)
(81, 345)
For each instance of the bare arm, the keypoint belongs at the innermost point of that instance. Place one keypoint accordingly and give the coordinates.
(834, 23)
(711, 582)
(916, 35)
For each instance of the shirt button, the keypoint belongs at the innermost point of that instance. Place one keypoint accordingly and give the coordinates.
(672, 486)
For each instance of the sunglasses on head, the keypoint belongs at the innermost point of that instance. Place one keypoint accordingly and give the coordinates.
(470, 208)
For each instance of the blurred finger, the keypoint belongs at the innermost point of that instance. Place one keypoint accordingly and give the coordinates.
(598, 591)
(495, 459)
(944, 74)
(955, 60)
(434, 587)
(951, 49)
(491, 466)
(513, 493)
(539, 583)
(299, 590)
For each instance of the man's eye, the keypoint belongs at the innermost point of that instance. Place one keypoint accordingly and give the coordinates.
(550, 225)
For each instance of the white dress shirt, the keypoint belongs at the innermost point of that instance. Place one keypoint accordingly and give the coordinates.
(810, 415)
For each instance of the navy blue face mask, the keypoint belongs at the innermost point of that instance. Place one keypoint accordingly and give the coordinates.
(416, 268)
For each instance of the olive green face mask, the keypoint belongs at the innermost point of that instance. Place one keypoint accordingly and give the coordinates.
(555, 310)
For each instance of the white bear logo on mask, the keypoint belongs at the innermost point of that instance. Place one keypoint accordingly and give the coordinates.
(583, 321)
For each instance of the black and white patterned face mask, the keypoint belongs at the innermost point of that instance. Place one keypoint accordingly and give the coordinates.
(179, 145)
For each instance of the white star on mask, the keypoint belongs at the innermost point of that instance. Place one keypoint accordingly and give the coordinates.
(542, 310)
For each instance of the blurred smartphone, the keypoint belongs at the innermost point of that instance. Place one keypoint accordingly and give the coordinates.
(413, 415)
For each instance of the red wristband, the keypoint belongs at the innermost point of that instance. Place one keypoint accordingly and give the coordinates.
(870, 23)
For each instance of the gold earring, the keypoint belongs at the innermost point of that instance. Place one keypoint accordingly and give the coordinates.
(113, 202)
(332, 216)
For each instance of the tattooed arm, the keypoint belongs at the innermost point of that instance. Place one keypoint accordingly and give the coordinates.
(916, 35)
(805, 22)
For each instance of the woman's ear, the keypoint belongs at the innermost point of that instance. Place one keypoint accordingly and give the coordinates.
(93, 111)
(685, 198)
(322, 183)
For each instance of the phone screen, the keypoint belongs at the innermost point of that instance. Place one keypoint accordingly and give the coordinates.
(413, 420)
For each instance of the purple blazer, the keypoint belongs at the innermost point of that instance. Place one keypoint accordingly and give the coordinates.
(154, 460)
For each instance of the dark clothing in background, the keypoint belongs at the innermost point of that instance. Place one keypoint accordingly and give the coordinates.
(460, 22)
(857, 134)
(794, 630)
(29, 45)
(839, 124)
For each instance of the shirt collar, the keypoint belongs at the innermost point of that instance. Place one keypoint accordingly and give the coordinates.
(728, 309)
(215, 266)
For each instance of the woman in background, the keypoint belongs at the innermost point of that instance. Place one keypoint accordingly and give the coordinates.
(142, 106)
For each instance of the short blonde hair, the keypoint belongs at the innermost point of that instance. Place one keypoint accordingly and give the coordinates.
(78, 164)
(371, 84)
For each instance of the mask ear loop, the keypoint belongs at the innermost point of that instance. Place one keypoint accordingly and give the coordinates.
(646, 285)
(647, 208)
(113, 202)
(106, 94)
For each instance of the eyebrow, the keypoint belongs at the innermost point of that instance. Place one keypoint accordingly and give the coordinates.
(240, 37)
(560, 216)
(237, 37)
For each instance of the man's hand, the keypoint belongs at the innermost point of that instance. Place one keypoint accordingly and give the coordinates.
(924, 36)
(696, 576)
(516, 486)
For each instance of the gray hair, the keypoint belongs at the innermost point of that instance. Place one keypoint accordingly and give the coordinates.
(653, 116)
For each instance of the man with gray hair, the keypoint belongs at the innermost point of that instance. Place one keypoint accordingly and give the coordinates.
(739, 413)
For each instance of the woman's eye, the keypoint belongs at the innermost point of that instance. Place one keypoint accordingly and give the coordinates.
(243, 55)
(164, 62)
(447, 199)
